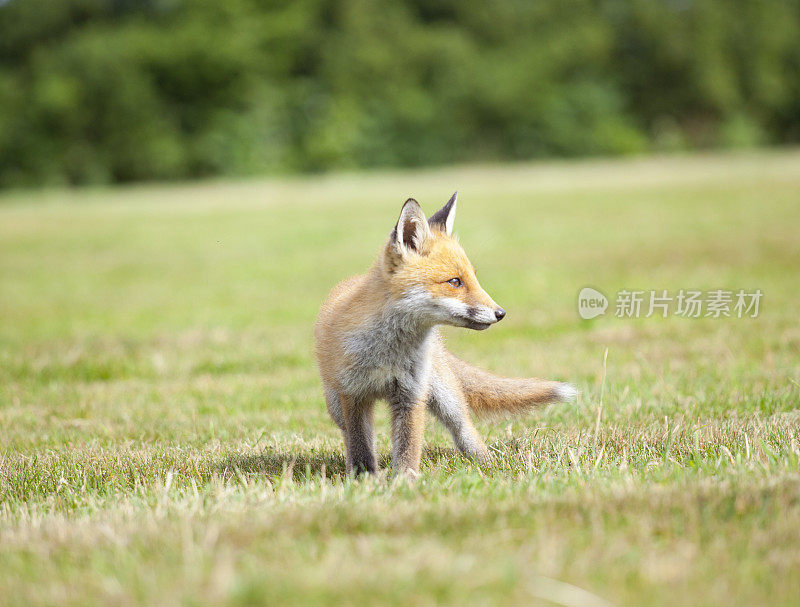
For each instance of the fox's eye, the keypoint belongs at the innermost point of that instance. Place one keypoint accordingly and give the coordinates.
(455, 282)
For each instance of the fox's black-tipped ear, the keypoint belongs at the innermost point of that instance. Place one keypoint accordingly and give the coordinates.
(443, 218)
(411, 230)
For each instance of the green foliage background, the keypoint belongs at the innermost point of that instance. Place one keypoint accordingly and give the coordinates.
(95, 91)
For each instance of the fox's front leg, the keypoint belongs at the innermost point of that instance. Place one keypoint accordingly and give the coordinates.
(359, 434)
(408, 428)
(447, 403)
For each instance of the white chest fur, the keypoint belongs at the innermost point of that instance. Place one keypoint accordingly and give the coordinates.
(393, 350)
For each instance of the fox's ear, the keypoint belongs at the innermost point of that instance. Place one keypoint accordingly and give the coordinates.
(411, 230)
(443, 218)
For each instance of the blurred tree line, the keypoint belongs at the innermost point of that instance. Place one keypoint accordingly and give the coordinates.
(119, 90)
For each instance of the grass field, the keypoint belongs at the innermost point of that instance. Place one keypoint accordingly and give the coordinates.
(163, 436)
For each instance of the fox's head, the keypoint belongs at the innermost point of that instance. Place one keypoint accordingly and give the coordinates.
(429, 271)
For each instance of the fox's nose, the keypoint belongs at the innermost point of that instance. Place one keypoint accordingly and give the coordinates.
(499, 313)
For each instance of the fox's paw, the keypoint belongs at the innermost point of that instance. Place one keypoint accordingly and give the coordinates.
(566, 392)
(479, 454)
(405, 475)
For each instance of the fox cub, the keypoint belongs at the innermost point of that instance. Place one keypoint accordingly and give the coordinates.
(377, 338)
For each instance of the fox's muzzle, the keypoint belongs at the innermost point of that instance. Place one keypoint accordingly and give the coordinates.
(483, 318)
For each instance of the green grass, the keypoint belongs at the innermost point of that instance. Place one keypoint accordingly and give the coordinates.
(163, 437)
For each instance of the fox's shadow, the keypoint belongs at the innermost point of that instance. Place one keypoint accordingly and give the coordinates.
(300, 465)
(307, 465)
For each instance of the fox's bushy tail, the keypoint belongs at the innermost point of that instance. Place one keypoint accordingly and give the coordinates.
(487, 393)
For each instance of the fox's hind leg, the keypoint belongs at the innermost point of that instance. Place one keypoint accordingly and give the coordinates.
(449, 406)
(359, 434)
